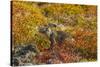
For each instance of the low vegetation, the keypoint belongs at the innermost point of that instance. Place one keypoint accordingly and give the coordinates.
(80, 21)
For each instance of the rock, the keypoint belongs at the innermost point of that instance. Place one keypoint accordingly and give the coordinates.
(53, 61)
(15, 62)
(52, 25)
(23, 55)
(61, 36)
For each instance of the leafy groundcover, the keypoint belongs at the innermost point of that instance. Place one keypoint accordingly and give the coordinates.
(52, 33)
